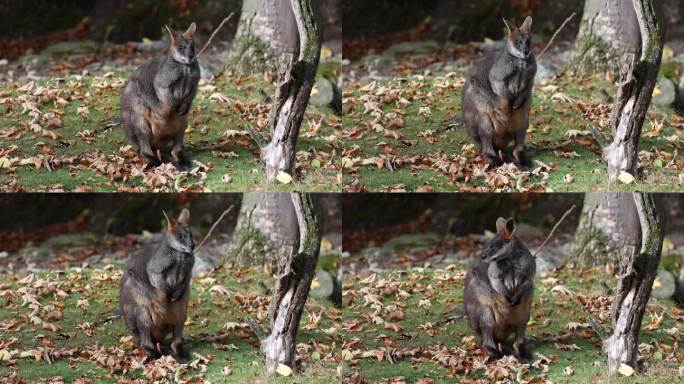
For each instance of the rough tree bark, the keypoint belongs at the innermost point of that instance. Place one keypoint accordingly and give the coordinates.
(609, 32)
(634, 93)
(295, 274)
(637, 273)
(267, 29)
(266, 229)
(608, 229)
(296, 79)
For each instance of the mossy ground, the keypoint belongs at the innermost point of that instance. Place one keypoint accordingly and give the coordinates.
(551, 315)
(547, 139)
(233, 160)
(208, 312)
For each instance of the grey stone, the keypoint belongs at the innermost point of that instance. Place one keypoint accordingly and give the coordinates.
(324, 285)
(413, 47)
(679, 292)
(545, 71)
(325, 92)
(666, 96)
(412, 240)
(70, 48)
(544, 264)
(664, 285)
(3, 62)
(202, 264)
(4, 255)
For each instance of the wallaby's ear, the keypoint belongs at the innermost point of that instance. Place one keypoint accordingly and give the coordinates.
(510, 228)
(172, 33)
(169, 222)
(191, 31)
(508, 27)
(505, 228)
(526, 27)
(184, 217)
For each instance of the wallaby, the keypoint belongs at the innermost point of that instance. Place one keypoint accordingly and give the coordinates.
(497, 97)
(157, 98)
(498, 292)
(155, 290)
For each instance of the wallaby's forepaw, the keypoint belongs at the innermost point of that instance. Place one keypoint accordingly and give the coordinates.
(495, 162)
(182, 162)
(522, 354)
(152, 162)
(523, 162)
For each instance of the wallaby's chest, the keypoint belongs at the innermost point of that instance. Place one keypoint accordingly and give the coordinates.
(520, 77)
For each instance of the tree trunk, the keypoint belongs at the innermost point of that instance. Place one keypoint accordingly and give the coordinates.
(608, 229)
(292, 93)
(609, 32)
(267, 229)
(267, 30)
(295, 274)
(637, 271)
(634, 94)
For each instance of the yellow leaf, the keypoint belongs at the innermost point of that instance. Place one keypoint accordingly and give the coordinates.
(315, 283)
(626, 370)
(4, 355)
(284, 370)
(326, 245)
(4, 162)
(626, 177)
(668, 245)
(326, 52)
(284, 177)
(667, 52)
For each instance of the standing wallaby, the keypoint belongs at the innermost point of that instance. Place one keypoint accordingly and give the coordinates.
(498, 292)
(157, 99)
(497, 98)
(155, 290)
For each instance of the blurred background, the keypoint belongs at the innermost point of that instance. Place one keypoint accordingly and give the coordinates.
(57, 231)
(386, 231)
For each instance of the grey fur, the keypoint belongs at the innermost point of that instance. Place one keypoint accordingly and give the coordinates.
(155, 290)
(157, 99)
(497, 97)
(498, 293)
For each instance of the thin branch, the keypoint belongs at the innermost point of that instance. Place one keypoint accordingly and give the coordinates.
(212, 229)
(539, 56)
(554, 230)
(214, 34)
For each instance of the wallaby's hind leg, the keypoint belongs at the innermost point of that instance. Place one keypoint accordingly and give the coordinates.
(487, 322)
(488, 146)
(146, 341)
(179, 352)
(519, 156)
(143, 140)
(177, 155)
(519, 347)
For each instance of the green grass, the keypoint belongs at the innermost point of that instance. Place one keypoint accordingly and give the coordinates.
(208, 313)
(550, 122)
(235, 156)
(551, 313)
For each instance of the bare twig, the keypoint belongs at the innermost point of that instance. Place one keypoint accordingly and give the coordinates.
(554, 230)
(257, 329)
(539, 56)
(214, 34)
(212, 229)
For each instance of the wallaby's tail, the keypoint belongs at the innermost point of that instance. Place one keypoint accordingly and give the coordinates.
(457, 122)
(456, 314)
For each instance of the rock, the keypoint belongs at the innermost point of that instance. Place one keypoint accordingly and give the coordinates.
(202, 264)
(323, 93)
(679, 101)
(545, 71)
(664, 93)
(544, 264)
(322, 286)
(343, 370)
(679, 292)
(70, 48)
(413, 47)
(664, 285)
(412, 240)
(4, 62)
(4, 255)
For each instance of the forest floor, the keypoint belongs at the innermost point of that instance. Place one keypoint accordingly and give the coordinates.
(56, 328)
(403, 324)
(60, 133)
(404, 133)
